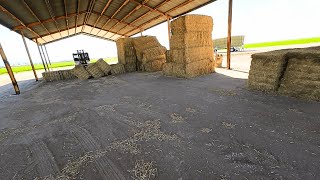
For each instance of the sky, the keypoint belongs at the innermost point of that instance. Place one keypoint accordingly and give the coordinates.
(258, 20)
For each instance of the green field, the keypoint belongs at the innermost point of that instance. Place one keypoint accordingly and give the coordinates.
(17, 69)
(284, 43)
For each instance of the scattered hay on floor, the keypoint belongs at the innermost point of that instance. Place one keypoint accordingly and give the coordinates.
(144, 170)
(222, 92)
(190, 110)
(228, 125)
(205, 130)
(176, 118)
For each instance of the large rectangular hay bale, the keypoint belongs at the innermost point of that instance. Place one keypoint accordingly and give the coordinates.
(80, 72)
(302, 78)
(153, 53)
(143, 43)
(191, 40)
(117, 69)
(94, 70)
(130, 67)
(192, 23)
(103, 66)
(189, 70)
(124, 47)
(189, 55)
(146, 60)
(266, 70)
(153, 66)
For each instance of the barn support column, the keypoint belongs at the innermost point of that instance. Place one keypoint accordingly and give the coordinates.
(44, 57)
(45, 48)
(229, 35)
(169, 30)
(9, 70)
(31, 63)
(41, 58)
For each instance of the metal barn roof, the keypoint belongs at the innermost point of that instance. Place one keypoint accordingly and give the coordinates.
(46, 21)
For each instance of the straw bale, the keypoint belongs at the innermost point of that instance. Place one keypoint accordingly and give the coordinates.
(189, 55)
(145, 59)
(123, 45)
(153, 66)
(266, 70)
(218, 61)
(103, 66)
(143, 43)
(190, 40)
(168, 56)
(94, 70)
(130, 67)
(192, 23)
(302, 78)
(151, 53)
(80, 72)
(189, 70)
(117, 69)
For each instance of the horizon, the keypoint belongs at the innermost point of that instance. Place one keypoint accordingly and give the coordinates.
(290, 19)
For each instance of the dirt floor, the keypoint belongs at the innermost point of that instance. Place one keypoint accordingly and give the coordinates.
(147, 126)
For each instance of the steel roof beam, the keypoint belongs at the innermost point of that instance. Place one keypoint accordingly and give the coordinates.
(87, 17)
(19, 21)
(34, 15)
(113, 15)
(152, 9)
(66, 13)
(51, 14)
(156, 18)
(103, 11)
(77, 16)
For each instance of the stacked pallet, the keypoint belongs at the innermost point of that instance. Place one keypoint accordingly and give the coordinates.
(151, 55)
(294, 72)
(191, 47)
(57, 75)
(127, 54)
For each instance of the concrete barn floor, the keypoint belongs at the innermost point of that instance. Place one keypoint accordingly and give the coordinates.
(147, 126)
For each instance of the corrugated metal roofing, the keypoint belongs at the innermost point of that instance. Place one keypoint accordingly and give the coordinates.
(46, 21)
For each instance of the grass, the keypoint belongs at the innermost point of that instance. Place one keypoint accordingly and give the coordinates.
(17, 69)
(284, 42)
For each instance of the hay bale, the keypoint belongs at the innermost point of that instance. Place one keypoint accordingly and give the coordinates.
(189, 55)
(154, 52)
(192, 23)
(66, 74)
(153, 66)
(189, 70)
(80, 72)
(117, 69)
(103, 66)
(168, 56)
(130, 67)
(302, 78)
(191, 40)
(124, 47)
(143, 43)
(218, 61)
(146, 60)
(266, 70)
(94, 70)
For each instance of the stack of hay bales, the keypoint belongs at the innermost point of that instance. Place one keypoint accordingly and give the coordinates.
(191, 47)
(266, 70)
(127, 54)
(151, 55)
(58, 75)
(293, 72)
(302, 75)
